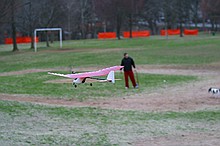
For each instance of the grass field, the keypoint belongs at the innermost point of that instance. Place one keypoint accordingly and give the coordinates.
(183, 51)
(40, 125)
(34, 84)
(31, 124)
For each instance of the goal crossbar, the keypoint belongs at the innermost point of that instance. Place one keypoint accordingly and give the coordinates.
(46, 29)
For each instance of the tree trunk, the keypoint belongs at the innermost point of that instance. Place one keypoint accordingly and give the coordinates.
(13, 27)
(196, 13)
(83, 20)
(31, 29)
(130, 24)
(216, 26)
(51, 38)
(32, 41)
(150, 22)
(213, 25)
(203, 24)
(118, 26)
(47, 39)
(15, 47)
(181, 28)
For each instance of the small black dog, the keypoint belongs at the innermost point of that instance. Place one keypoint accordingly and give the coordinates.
(214, 90)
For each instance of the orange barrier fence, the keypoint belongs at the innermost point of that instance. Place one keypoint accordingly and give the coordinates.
(191, 32)
(107, 35)
(177, 32)
(20, 40)
(135, 34)
(170, 32)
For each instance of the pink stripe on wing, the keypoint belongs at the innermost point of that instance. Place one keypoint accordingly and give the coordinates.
(102, 72)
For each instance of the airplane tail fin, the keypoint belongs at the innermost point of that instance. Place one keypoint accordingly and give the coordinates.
(111, 77)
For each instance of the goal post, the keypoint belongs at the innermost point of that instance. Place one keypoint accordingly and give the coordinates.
(47, 29)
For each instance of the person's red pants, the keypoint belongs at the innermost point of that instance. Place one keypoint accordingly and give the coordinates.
(129, 74)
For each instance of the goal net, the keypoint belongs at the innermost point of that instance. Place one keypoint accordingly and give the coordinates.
(47, 29)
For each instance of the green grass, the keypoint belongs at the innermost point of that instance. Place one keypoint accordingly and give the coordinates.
(41, 125)
(29, 124)
(180, 51)
(187, 51)
(34, 84)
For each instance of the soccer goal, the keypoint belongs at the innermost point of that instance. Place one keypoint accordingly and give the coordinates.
(46, 29)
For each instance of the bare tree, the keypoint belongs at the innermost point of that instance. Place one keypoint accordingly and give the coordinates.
(4, 9)
(177, 12)
(195, 9)
(151, 13)
(210, 10)
(10, 13)
(29, 18)
(50, 13)
(85, 6)
(79, 15)
(71, 16)
(132, 9)
(169, 13)
(117, 12)
(12, 4)
(183, 13)
(15, 5)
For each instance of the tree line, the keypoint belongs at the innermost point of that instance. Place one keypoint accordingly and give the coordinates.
(82, 19)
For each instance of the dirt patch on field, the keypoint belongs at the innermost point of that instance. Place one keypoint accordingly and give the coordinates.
(186, 139)
(201, 70)
(187, 97)
(84, 50)
(66, 69)
(22, 72)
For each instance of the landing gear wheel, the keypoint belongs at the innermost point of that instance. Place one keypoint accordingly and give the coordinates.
(90, 84)
(75, 86)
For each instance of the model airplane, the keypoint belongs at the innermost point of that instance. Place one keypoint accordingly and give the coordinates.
(81, 77)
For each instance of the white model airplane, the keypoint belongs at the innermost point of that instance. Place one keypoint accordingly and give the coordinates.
(81, 77)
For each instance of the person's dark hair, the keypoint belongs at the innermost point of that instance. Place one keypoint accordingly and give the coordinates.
(125, 54)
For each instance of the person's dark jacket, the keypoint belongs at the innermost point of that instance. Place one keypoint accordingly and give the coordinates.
(127, 63)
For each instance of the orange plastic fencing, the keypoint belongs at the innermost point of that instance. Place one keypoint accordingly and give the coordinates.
(107, 35)
(191, 32)
(20, 40)
(136, 34)
(177, 32)
(170, 32)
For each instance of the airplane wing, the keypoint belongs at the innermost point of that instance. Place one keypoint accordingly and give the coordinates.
(102, 72)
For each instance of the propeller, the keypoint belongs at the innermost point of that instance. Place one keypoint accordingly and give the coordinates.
(71, 70)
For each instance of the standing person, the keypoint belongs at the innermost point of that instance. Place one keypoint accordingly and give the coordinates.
(128, 62)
